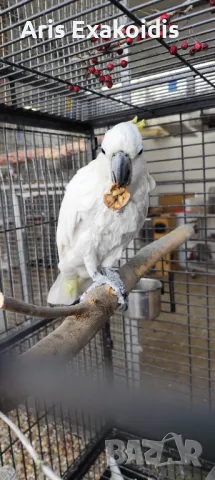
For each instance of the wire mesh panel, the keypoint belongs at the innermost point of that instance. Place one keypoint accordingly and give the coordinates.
(44, 79)
(59, 436)
(38, 68)
(35, 167)
(177, 349)
(174, 351)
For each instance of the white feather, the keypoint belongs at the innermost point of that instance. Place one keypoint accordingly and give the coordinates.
(115, 471)
(86, 225)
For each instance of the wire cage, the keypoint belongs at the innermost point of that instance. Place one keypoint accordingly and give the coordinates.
(53, 115)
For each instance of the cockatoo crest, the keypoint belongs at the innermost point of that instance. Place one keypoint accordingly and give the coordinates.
(140, 125)
(123, 137)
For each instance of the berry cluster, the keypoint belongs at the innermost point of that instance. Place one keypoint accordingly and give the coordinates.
(73, 88)
(100, 69)
(103, 77)
(196, 48)
(173, 50)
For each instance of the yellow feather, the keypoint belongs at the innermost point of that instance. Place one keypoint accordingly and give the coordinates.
(140, 125)
(135, 119)
(71, 287)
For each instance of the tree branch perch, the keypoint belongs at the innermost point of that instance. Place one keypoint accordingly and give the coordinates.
(10, 304)
(73, 334)
(100, 304)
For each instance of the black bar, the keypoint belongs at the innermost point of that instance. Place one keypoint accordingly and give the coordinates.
(172, 292)
(152, 111)
(20, 116)
(82, 465)
(108, 346)
(24, 332)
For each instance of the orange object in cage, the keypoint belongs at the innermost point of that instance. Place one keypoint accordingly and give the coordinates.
(161, 226)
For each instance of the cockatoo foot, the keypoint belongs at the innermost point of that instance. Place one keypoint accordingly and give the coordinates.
(116, 283)
(110, 277)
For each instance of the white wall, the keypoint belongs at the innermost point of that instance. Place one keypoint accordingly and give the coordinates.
(167, 157)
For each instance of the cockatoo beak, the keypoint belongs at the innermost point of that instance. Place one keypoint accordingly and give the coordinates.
(121, 169)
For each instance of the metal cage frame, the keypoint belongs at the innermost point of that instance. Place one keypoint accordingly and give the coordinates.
(34, 81)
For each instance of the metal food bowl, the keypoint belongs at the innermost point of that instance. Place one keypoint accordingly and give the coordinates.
(145, 300)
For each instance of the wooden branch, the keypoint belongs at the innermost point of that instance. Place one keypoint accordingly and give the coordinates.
(55, 153)
(10, 304)
(185, 8)
(74, 333)
(64, 151)
(51, 154)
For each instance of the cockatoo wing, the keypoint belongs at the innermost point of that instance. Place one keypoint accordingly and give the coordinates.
(80, 196)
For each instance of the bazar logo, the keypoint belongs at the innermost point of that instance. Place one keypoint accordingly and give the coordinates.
(134, 451)
(81, 30)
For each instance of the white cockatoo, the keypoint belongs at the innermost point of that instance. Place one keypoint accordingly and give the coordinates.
(90, 236)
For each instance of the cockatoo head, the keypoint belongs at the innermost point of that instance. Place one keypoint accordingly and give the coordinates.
(122, 145)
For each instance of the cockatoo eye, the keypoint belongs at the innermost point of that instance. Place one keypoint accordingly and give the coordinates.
(141, 151)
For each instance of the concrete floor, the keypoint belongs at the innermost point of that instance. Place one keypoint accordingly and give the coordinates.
(180, 347)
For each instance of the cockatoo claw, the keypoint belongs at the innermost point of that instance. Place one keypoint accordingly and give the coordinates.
(110, 277)
(117, 285)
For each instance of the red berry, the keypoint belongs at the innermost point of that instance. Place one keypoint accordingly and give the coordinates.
(132, 30)
(198, 46)
(76, 88)
(124, 30)
(91, 70)
(139, 37)
(102, 79)
(184, 45)
(97, 72)
(108, 78)
(70, 88)
(161, 33)
(101, 48)
(123, 63)
(94, 39)
(110, 66)
(147, 35)
(94, 60)
(129, 41)
(109, 84)
(98, 27)
(165, 16)
(173, 50)
(205, 46)
(120, 51)
(192, 51)
(212, 3)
